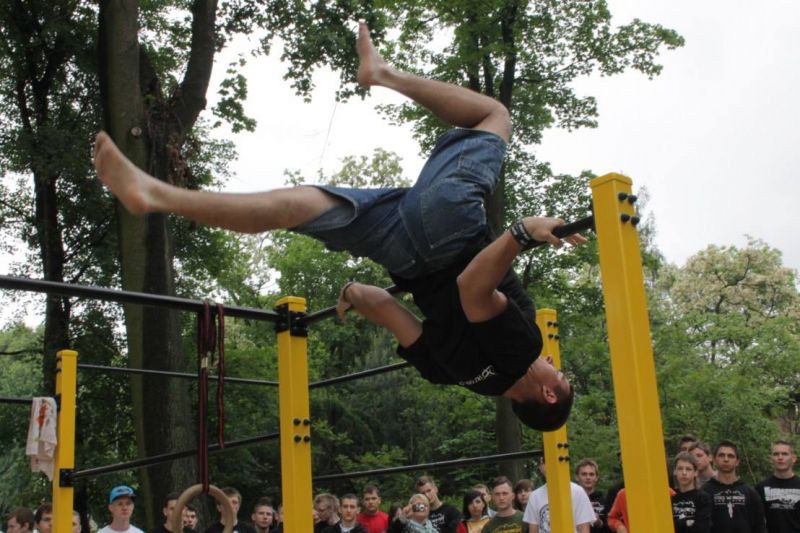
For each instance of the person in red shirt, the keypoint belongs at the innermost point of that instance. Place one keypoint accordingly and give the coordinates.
(372, 518)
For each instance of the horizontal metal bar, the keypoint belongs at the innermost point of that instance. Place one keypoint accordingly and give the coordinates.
(166, 457)
(331, 311)
(129, 297)
(441, 465)
(167, 373)
(8, 399)
(359, 375)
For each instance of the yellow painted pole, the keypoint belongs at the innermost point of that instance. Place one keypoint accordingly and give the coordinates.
(64, 465)
(556, 450)
(632, 365)
(295, 422)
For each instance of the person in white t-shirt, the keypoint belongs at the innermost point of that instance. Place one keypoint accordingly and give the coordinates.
(120, 505)
(537, 512)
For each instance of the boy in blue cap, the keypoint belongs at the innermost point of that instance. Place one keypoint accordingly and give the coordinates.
(120, 505)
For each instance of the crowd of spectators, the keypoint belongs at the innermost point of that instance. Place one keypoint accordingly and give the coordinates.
(706, 492)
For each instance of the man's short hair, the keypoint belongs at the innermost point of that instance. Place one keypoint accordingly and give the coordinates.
(23, 516)
(543, 416)
(349, 496)
(687, 438)
(702, 446)
(724, 443)
(169, 497)
(424, 480)
(43, 509)
(587, 462)
(230, 492)
(782, 442)
(264, 501)
(371, 489)
(499, 480)
(687, 458)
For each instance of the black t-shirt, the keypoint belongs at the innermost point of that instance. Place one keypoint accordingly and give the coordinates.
(485, 357)
(598, 501)
(445, 519)
(240, 527)
(735, 508)
(691, 511)
(781, 498)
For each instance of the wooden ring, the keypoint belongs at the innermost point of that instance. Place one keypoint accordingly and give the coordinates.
(228, 516)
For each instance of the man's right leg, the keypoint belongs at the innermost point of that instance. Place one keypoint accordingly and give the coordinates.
(246, 213)
(453, 104)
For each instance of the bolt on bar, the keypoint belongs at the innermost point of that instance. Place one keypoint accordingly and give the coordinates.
(497, 458)
(113, 295)
(166, 457)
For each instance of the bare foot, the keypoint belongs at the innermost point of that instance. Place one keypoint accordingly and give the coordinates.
(372, 66)
(128, 183)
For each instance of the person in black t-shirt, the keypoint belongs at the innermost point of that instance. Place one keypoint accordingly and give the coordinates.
(780, 492)
(444, 517)
(170, 500)
(587, 474)
(433, 238)
(236, 501)
(691, 507)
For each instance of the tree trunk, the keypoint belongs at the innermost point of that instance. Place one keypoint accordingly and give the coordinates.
(161, 407)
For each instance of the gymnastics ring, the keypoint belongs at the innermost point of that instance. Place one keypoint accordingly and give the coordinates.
(228, 516)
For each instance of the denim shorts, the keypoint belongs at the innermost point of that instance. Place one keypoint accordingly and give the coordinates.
(425, 228)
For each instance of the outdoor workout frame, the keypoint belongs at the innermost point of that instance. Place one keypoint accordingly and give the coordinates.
(633, 369)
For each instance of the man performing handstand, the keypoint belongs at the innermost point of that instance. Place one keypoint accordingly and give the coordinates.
(433, 238)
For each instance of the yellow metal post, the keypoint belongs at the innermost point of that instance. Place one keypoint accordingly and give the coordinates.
(64, 464)
(295, 422)
(632, 365)
(556, 450)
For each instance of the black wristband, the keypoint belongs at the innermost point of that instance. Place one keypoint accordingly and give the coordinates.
(521, 235)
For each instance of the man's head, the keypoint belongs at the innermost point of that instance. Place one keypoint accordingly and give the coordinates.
(701, 452)
(371, 499)
(542, 398)
(189, 517)
(120, 503)
(76, 522)
(348, 508)
(20, 520)
(327, 508)
(263, 513)
(484, 490)
(726, 457)
(685, 470)
(44, 518)
(425, 485)
(686, 442)
(170, 501)
(783, 458)
(502, 495)
(234, 497)
(587, 474)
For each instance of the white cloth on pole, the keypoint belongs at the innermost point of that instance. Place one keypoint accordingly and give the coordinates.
(42, 435)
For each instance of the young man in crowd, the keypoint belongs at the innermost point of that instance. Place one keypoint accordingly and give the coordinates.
(170, 501)
(780, 492)
(43, 517)
(372, 518)
(263, 516)
(479, 330)
(235, 498)
(348, 511)
(705, 470)
(20, 520)
(189, 517)
(736, 507)
(327, 508)
(587, 474)
(506, 519)
(443, 516)
(537, 512)
(121, 505)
